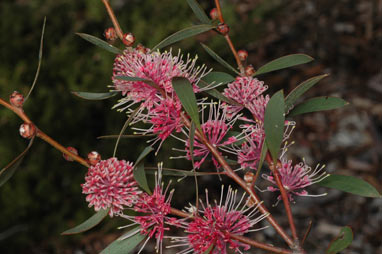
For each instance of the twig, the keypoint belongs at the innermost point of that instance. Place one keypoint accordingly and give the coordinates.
(228, 39)
(20, 113)
(113, 19)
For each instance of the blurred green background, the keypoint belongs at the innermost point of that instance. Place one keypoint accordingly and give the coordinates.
(44, 197)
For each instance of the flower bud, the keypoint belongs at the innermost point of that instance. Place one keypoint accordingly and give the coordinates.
(214, 14)
(141, 48)
(243, 54)
(16, 99)
(93, 158)
(223, 28)
(110, 34)
(27, 130)
(128, 39)
(249, 177)
(249, 70)
(72, 150)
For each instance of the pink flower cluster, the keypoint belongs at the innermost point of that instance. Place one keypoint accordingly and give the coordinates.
(110, 185)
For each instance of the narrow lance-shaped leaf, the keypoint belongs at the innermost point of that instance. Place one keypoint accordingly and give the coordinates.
(125, 246)
(218, 58)
(147, 81)
(128, 121)
(215, 78)
(344, 239)
(274, 119)
(183, 34)
(95, 96)
(39, 61)
(350, 184)
(198, 11)
(139, 170)
(296, 93)
(88, 224)
(185, 93)
(8, 171)
(284, 62)
(317, 104)
(100, 43)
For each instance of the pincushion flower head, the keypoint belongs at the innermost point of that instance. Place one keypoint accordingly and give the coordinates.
(157, 69)
(214, 224)
(110, 185)
(247, 91)
(215, 129)
(296, 178)
(155, 209)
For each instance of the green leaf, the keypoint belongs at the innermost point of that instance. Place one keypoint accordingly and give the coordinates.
(39, 61)
(210, 249)
(300, 90)
(350, 184)
(88, 224)
(183, 34)
(218, 95)
(127, 78)
(139, 170)
(128, 121)
(318, 104)
(199, 12)
(100, 43)
(185, 93)
(219, 59)
(274, 119)
(95, 96)
(124, 246)
(9, 170)
(215, 78)
(284, 62)
(147, 81)
(342, 241)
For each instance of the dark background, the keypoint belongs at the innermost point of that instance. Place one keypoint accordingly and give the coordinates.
(44, 197)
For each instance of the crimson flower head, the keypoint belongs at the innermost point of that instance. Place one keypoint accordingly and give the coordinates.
(215, 223)
(296, 178)
(110, 184)
(157, 69)
(155, 209)
(247, 91)
(215, 129)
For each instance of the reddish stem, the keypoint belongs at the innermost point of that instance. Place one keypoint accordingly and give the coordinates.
(113, 19)
(19, 112)
(228, 39)
(284, 196)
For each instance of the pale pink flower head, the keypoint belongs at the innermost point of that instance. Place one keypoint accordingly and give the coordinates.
(158, 68)
(296, 178)
(247, 91)
(216, 129)
(214, 224)
(110, 184)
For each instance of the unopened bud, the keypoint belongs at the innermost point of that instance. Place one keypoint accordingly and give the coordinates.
(214, 14)
(249, 177)
(72, 150)
(16, 99)
(128, 39)
(223, 28)
(27, 130)
(93, 158)
(110, 34)
(141, 48)
(243, 54)
(249, 70)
